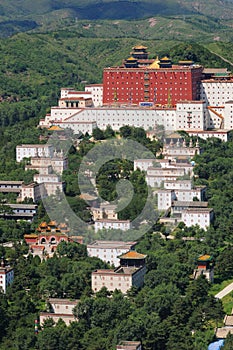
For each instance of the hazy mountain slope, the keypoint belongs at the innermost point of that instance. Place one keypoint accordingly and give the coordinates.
(24, 15)
(105, 9)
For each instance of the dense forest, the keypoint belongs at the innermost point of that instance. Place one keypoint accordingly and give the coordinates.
(171, 311)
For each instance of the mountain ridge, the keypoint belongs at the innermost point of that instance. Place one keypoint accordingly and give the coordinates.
(105, 9)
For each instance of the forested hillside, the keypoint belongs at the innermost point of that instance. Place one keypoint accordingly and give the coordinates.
(183, 19)
(93, 9)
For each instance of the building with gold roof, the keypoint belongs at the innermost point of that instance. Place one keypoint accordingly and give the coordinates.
(47, 236)
(129, 274)
(141, 79)
(205, 267)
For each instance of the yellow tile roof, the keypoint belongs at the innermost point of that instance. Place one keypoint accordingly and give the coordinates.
(139, 47)
(131, 59)
(132, 255)
(204, 257)
(55, 128)
(165, 58)
(52, 223)
(31, 235)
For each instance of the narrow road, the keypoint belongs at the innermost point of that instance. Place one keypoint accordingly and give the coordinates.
(225, 291)
(224, 59)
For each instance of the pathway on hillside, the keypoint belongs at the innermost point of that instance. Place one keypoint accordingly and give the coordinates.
(224, 291)
(224, 59)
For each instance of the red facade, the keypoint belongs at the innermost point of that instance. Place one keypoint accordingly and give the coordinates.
(161, 86)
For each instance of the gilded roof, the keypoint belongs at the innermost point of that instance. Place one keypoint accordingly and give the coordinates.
(43, 224)
(31, 235)
(165, 58)
(140, 47)
(52, 223)
(155, 64)
(132, 255)
(205, 257)
(55, 128)
(131, 59)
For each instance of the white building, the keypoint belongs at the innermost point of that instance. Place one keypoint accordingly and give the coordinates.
(57, 162)
(156, 176)
(190, 115)
(143, 164)
(216, 91)
(109, 251)
(129, 345)
(52, 183)
(6, 276)
(189, 195)
(96, 91)
(165, 199)
(59, 309)
(108, 224)
(179, 206)
(184, 190)
(178, 185)
(82, 111)
(228, 120)
(206, 134)
(197, 216)
(158, 180)
(33, 190)
(10, 186)
(173, 150)
(28, 151)
(104, 211)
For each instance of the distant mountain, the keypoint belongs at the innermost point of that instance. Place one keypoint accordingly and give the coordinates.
(120, 9)
(24, 15)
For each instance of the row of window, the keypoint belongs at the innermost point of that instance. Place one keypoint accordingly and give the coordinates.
(111, 284)
(111, 278)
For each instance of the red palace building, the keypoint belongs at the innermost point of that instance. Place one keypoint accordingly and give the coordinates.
(151, 82)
